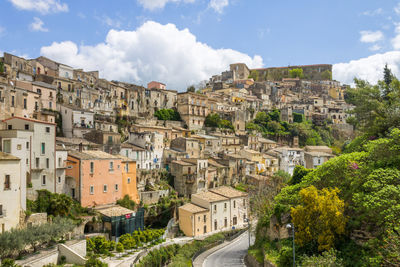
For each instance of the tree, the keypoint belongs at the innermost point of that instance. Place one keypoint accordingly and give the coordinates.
(298, 173)
(191, 89)
(326, 75)
(319, 219)
(1, 67)
(212, 120)
(254, 75)
(127, 202)
(296, 73)
(387, 75)
(297, 117)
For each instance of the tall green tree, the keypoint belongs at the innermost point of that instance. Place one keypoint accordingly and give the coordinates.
(296, 73)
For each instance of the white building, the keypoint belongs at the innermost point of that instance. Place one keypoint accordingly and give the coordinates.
(10, 192)
(61, 159)
(289, 158)
(42, 147)
(76, 122)
(239, 205)
(65, 71)
(219, 207)
(153, 145)
(17, 143)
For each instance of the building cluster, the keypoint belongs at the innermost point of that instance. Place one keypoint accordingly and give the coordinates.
(69, 131)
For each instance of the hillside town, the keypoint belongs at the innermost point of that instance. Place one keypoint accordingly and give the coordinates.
(208, 149)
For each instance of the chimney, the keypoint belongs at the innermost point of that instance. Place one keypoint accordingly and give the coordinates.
(80, 147)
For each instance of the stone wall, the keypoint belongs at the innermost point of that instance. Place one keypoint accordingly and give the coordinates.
(152, 197)
(36, 219)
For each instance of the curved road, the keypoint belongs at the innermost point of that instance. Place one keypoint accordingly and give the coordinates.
(232, 255)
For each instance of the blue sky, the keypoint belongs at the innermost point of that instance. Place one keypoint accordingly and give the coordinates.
(181, 42)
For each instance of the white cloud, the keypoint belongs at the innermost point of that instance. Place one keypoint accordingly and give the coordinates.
(375, 47)
(151, 52)
(396, 39)
(397, 9)
(218, 5)
(369, 68)
(159, 4)
(38, 25)
(42, 6)
(370, 36)
(373, 13)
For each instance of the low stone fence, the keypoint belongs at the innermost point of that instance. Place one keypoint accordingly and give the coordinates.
(230, 237)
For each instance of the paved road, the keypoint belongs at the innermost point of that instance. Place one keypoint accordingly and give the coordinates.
(232, 255)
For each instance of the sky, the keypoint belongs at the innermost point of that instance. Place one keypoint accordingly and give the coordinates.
(183, 42)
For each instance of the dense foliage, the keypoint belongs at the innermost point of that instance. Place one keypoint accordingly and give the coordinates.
(180, 256)
(215, 121)
(167, 115)
(270, 125)
(127, 202)
(349, 207)
(99, 245)
(56, 205)
(296, 73)
(15, 241)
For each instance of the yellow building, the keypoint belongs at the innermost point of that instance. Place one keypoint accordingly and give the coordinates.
(129, 186)
(194, 220)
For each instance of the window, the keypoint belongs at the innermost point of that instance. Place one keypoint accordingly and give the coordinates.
(7, 146)
(47, 129)
(111, 169)
(215, 225)
(226, 222)
(244, 202)
(7, 182)
(59, 179)
(215, 207)
(27, 145)
(27, 161)
(47, 163)
(37, 162)
(234, 220)
(91, 167)
(234, 204)
(59, 162)
(91, 189)
(105, 188)
(73, 192)
(26, 126)
(12, 100)
(1, 212)
(116, 187)
(44, 180)
(204, 218)
(25, 103)
(225, 205)
(127, 167)
(205, 229)
(129, 180)
(198, 218)
(43, 148)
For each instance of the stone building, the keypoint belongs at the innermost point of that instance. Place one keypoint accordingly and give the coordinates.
(193, 109)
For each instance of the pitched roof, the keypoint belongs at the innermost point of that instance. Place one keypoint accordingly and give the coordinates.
(31, 120)
(180, 162)
(6, 156)
(91, 154)
(228, 192)
(193, 208)
(210, 196)
(115, 211)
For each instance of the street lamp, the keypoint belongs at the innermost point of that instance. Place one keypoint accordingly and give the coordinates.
(291, 226)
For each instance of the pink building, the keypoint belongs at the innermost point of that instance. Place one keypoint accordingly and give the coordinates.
(156, 85)
(97, 177)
